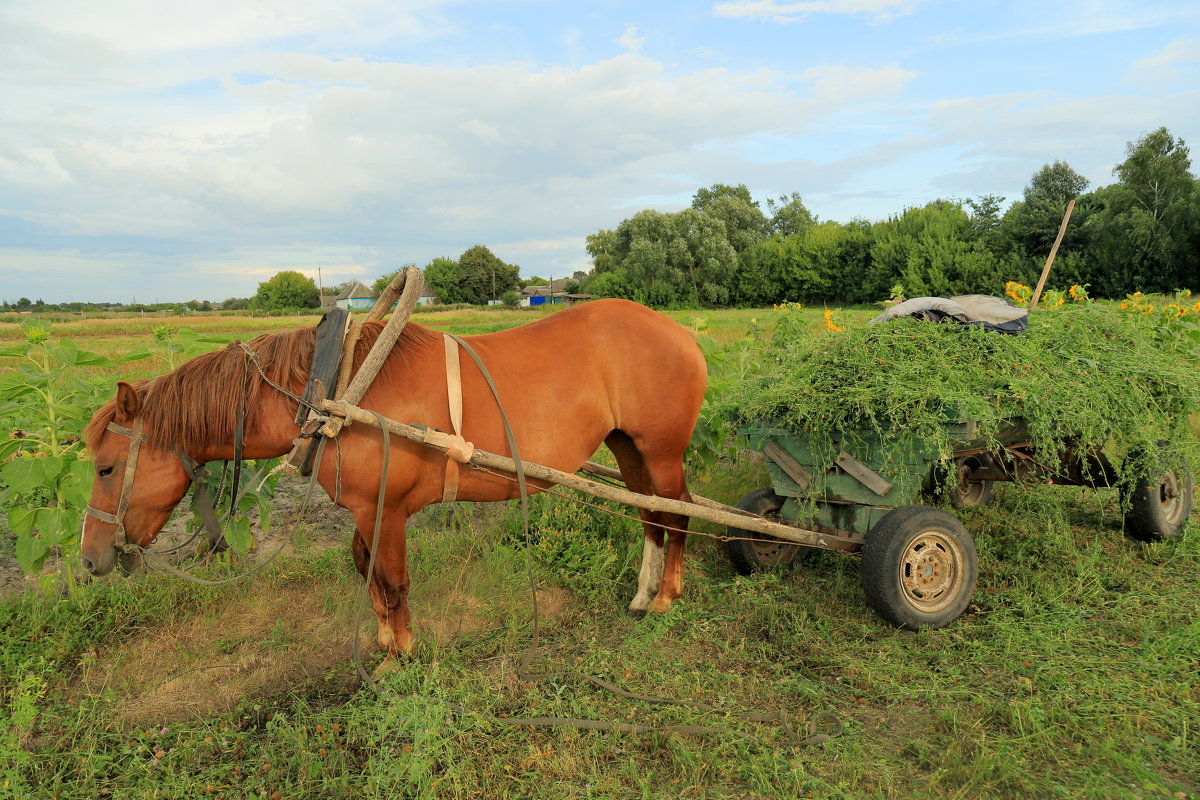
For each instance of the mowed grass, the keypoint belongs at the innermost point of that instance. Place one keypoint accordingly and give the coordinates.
(1073, 674)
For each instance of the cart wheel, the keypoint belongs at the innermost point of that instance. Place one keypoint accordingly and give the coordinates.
(968, 493)
(919, 567)
(965, 493)
(1158, 508)
(757, 552)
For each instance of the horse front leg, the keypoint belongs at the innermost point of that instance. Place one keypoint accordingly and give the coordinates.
(387, 578)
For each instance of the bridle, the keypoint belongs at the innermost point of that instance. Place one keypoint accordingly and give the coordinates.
(195, 472)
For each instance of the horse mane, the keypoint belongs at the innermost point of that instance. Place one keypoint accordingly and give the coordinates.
(197, 403)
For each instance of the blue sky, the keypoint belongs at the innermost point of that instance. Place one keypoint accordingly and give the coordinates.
(171, 151)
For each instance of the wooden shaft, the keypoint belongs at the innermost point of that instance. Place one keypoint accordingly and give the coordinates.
(387, 337)
(615, 474)
(346, 368)
(710, 511)
(390, 294)
(1037, 293)
(600, 469)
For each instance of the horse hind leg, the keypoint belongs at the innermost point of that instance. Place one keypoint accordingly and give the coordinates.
(660, 578)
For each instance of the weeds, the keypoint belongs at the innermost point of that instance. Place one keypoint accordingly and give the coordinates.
(1084, 376)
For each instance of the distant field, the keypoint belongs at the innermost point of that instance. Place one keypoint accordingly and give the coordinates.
(116, 336)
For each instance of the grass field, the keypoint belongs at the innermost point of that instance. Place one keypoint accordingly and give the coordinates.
(1073, 674)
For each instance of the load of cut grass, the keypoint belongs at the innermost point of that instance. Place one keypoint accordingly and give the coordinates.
(1086, 376)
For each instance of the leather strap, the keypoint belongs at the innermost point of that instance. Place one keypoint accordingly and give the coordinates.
(454, 397)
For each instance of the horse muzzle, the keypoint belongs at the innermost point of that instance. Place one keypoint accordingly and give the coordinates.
(127, 561)
(100, 563)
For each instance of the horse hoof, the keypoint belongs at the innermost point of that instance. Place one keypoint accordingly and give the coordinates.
(389, 664)
(636, 613)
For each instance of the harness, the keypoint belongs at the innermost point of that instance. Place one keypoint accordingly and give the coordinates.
(195, 473)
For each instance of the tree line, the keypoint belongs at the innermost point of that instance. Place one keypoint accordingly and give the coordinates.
(1140, 233)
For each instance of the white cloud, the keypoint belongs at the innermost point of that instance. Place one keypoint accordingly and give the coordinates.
(140, 27)
(1178, 63)
(196, 159)
(630, 41)
(774, 11)
(841, 84)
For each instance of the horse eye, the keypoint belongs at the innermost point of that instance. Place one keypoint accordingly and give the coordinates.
(104, 472)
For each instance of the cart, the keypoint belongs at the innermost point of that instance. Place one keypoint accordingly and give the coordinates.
(919, 563)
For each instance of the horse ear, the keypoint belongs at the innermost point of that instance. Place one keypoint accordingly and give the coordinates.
(128, 403)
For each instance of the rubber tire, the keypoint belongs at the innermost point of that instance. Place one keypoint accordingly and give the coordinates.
(1153, 518)
(766, 552)
(895, 543)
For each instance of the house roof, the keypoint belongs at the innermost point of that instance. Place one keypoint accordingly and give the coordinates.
(556, 287)
(356, 289)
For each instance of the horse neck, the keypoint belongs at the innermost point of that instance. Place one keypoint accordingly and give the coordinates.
(272, 435)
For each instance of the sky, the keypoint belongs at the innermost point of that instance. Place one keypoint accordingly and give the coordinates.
(158, 151)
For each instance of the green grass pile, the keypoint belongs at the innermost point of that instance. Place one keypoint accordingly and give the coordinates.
(1087, 376)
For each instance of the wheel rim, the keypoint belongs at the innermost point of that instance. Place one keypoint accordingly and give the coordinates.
(931, 571)
(1171, 498)
(771, 552)
(968, 492)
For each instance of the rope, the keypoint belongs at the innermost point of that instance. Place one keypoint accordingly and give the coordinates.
(366, 595)
(166, 566)
(263, 374)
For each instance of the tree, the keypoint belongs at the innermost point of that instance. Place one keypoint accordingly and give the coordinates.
(929, 250)
(1147, 222)
(707, 196)
(789, 216)
(485, 277)
(743, 222)
(985, 215)
(441, 275)
(287, 289)
(824, 262)
(1031, 224)
(685, 258)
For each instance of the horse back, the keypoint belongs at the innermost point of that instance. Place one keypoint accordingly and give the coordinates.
(564, 383)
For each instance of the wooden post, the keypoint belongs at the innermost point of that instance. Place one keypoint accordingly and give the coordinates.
(1037, 293)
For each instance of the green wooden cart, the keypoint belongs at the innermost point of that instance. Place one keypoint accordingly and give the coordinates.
(919, 563)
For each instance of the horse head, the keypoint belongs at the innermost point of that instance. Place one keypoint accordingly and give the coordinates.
(124, 511)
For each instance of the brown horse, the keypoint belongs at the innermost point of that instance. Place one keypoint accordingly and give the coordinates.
(608, 371)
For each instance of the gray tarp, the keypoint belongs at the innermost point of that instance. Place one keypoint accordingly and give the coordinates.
(993, 313)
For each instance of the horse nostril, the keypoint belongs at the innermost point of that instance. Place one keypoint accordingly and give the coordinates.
(88, 565)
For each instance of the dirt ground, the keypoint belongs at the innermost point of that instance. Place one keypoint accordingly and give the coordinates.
(323, 523)
(272, 634)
